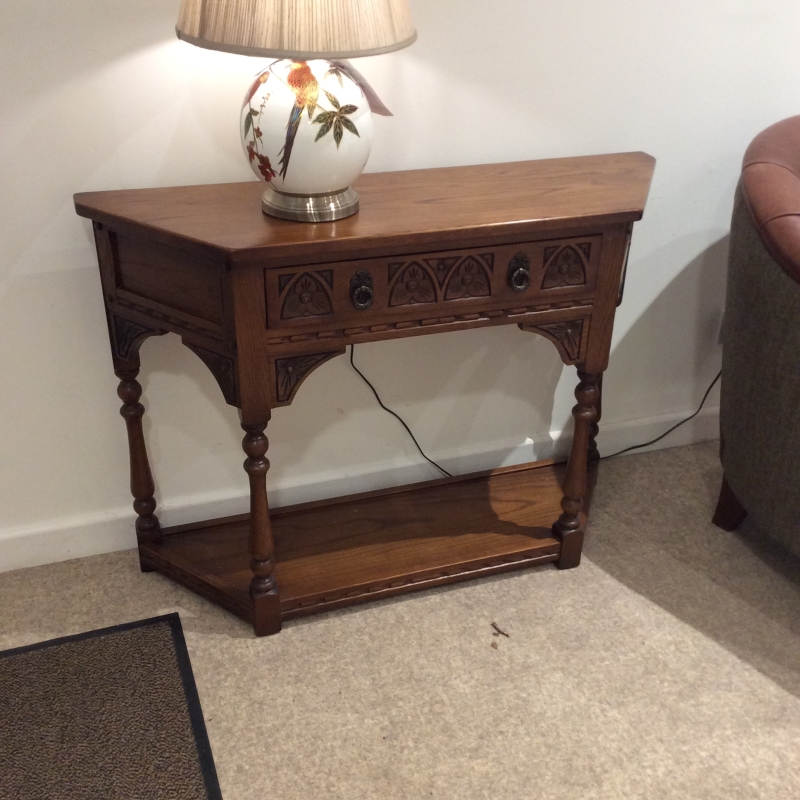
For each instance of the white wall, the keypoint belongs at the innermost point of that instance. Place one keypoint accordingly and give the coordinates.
(96, 94)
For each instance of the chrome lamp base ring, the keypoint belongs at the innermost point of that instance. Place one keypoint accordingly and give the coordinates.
(310, 208)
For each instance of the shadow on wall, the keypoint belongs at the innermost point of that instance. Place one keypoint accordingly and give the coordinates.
(66, 72)
(466, 395)
(173, 379)
(673, 344)
(439, 385)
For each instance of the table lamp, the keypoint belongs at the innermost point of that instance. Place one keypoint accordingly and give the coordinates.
(306, 121)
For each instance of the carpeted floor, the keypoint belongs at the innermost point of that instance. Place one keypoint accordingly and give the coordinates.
(666, 666)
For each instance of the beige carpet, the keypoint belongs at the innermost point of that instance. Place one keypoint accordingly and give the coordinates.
(666, 666)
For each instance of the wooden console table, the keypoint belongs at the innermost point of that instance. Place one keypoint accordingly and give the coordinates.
(263, 302)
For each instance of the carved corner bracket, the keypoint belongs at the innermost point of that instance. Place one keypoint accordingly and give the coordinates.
(223, 368)
(569, 337)
(288, 372)
(126, 339)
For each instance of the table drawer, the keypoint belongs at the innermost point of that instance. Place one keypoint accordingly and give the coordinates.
(431, 286)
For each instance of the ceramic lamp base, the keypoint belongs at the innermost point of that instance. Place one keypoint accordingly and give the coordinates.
(309, 208)
(307, 130)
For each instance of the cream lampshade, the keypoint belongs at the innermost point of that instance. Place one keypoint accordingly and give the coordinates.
(306, 122)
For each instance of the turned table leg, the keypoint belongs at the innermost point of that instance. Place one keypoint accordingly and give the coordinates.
(266, 602)
(571, 525)
(129, 391)
(594, 428)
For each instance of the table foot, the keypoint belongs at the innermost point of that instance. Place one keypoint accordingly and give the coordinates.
(267, 614)
(571, 546)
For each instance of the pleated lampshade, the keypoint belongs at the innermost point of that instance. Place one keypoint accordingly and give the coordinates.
(299, 29)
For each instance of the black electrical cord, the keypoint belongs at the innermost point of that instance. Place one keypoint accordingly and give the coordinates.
(613, 455)
(396, 416)
(677, 425)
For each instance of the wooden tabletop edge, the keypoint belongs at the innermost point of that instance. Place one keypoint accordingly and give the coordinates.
(122, 223)
(83, 205)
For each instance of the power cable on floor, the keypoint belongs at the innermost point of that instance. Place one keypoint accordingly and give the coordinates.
(677, 425)
(612, 455)
(396, 416)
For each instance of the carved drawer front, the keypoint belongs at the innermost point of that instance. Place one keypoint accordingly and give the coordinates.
(432, 286)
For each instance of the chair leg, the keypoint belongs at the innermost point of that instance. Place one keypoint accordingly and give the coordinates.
(730, 513)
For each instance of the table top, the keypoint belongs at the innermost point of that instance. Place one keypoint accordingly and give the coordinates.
(398, 209)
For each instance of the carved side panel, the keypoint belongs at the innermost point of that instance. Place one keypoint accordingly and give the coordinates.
(566, 266)
(222, 368)
(291, 371)
(568, 337)
(308, 295)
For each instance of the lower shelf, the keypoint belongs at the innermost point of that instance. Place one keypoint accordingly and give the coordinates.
(352, 549)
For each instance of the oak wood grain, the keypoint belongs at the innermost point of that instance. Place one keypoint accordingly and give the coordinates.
(264, 302)
(171, 277)
(348, 550)
(399, 210)
(437, 280)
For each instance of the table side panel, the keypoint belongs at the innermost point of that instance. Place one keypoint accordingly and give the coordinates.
(151, 289)
(175, 279)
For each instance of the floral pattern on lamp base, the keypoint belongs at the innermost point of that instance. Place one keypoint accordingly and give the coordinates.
(307, 132)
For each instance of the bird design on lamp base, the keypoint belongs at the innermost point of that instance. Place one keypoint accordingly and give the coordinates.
(310, 161)
(306, 90)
